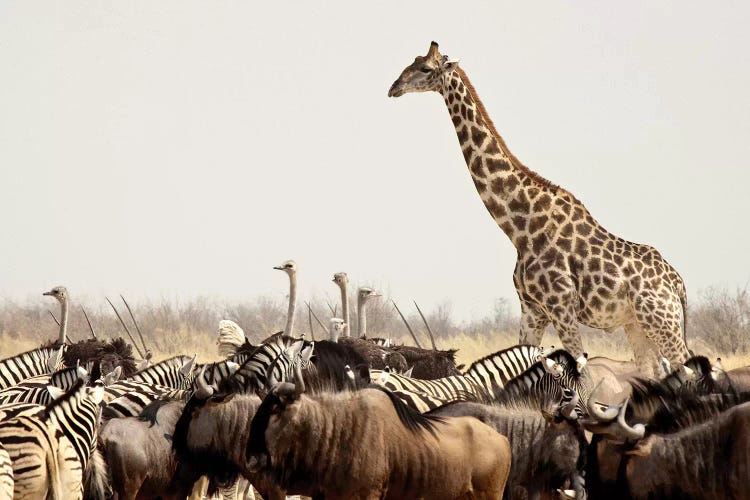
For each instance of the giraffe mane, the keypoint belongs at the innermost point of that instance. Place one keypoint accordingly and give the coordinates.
(488, 121)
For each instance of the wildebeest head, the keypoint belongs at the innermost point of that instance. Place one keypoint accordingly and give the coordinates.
(281, 400)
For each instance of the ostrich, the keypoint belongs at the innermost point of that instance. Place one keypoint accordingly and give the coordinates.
(60, 293)
(108, 354)
(342, 280)
(230, 338)
(290, 268)
(363, 296)
(335, 327)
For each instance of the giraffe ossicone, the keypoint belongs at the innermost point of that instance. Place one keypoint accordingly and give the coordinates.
(570, 269)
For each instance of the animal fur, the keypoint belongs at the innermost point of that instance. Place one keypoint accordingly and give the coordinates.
(398, 454)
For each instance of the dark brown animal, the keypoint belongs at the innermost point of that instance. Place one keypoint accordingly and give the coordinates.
(548, 445)
(139, 453)
(708, 458)
(398, 453)
(429, 364)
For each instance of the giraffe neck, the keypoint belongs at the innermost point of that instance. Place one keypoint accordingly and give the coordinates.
(511, 192)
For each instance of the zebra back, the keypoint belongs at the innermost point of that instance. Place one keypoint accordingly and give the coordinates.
(29, 364)
(176, 372)
(76, 414)
(497, 369)
(131, 404)
(34, 390)
(423, 402)
(453, 388)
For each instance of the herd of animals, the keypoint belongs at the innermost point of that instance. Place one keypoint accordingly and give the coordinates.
(357, 417)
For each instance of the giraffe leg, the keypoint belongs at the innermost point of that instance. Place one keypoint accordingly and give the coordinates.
(661, 320)
(533, 323)
(645, 351)
(565, 321)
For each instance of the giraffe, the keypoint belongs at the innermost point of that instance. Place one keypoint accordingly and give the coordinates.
(569, 268)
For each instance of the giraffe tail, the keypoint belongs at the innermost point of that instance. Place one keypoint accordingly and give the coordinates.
(683, 301)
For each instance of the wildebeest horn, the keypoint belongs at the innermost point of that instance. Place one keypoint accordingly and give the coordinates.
(203, 390)
(636, 432)
(285, 389)
(607, 415)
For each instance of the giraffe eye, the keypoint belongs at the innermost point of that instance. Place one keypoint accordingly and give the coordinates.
(425, 69)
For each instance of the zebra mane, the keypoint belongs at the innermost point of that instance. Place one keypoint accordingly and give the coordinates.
(527, 387)
(412, 419)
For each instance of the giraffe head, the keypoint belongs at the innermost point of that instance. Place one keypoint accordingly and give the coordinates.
(424, 74)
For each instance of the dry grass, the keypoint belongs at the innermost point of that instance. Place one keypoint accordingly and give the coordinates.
(719, 326)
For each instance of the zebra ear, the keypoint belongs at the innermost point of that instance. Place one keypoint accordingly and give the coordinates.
(232, 367)
(307, 353)
(55, 359)
(293, 350)
(55, 392)
(81, 372)
(188, 366)
(112, 376)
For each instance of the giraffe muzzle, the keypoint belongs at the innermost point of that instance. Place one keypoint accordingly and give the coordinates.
(396, 90)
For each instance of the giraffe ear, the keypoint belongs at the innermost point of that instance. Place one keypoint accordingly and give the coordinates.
(450, 64)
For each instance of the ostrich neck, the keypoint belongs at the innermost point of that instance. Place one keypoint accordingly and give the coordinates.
(63, 320)
(361, 318)
(507, 188)
(345, 308)
(292, 302)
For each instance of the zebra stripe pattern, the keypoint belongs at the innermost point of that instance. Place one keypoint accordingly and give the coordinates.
(494, 371)
(131, 404)
(271, 363)
(452, 388)
(50, 449)
(34, 390)
(549, 377)
(176, 372)
(29, 364)
(6, 475)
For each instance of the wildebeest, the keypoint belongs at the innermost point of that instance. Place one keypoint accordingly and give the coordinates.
(139, 453)
(707, 458)
(367, 444)
(548, 445)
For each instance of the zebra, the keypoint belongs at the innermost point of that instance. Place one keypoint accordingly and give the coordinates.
(6, 475)
(34, 389)
(51, 450)
(481, 380)
(270, 364)
(175, 372)
(30, 364)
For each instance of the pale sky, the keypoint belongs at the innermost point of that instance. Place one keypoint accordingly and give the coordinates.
(184, 148)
